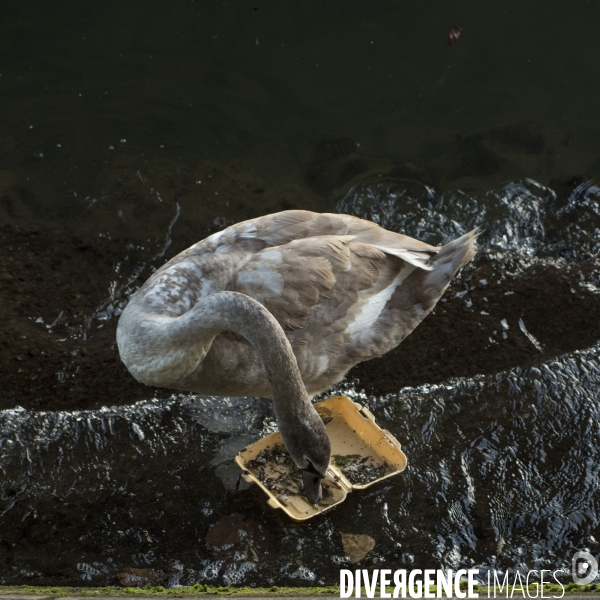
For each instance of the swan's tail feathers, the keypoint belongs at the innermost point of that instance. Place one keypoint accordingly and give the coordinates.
(451, 257)
(419, 257)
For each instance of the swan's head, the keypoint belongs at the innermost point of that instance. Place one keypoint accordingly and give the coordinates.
(308, 444)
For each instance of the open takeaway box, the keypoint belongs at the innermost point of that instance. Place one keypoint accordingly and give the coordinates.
(362, 454)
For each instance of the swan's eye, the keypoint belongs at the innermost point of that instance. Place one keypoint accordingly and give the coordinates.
(311, 469)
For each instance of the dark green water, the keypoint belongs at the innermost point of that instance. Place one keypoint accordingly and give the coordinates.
(262, 83)
(154, 123)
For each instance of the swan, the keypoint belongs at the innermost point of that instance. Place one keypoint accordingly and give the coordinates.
(282, 306)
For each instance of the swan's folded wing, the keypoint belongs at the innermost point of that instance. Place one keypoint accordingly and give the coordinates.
(285, 227)
(316, 284)
(290, 280)
(282, 228)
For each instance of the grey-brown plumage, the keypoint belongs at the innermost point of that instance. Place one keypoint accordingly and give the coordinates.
(343, 290)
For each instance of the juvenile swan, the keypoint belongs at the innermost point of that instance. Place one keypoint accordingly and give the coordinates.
(282, 306)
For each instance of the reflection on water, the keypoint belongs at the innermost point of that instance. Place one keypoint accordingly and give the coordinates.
(503, 469)
(523, 217)
(85, 90)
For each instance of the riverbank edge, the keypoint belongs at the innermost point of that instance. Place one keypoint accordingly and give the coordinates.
(572, 590)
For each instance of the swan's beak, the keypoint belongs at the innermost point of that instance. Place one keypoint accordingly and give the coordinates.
(312, 486)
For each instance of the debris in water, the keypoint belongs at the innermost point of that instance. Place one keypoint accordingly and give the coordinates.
(530, 337)
(500, 546)
(357, 546)
(453, 36)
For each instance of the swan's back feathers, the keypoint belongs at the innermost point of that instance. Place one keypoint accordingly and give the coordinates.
(344, 290)
(284, 227)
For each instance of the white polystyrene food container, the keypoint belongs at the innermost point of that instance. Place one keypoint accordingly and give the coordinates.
(352, 431)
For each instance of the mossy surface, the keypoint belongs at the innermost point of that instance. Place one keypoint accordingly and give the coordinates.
(204, 590)
(195, 590)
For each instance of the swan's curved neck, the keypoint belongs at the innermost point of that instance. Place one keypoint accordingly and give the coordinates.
(163, 350)
(159, 350)
(232, 311)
